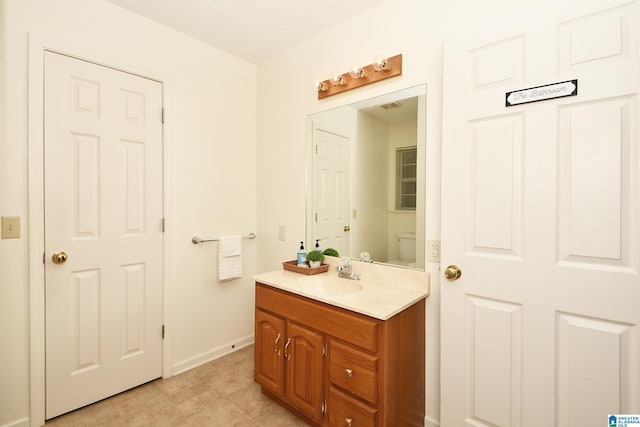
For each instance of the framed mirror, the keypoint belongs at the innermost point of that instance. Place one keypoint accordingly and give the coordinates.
(366, 179)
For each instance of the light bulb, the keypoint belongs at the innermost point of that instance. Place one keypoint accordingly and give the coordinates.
(338, 80)
(321, 86)
(358, 72)
(381, 64)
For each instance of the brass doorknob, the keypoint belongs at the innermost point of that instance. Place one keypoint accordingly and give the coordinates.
(452, 272)
(346, 228)
(59, 257)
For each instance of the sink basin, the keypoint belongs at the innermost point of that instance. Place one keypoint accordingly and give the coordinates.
(331, 285)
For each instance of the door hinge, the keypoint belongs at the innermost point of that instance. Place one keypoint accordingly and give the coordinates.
(324, 407)
(316, 148)
(163, 116)
(44, 259)
(316, 217)
(164, 220)
(162, 331)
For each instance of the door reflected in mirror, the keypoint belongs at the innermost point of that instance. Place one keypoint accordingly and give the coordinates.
(366, 179)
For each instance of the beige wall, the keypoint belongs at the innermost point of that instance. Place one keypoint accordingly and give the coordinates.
(211, 109)
(369, 188)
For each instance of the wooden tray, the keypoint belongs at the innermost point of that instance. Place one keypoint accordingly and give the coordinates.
(291, 266)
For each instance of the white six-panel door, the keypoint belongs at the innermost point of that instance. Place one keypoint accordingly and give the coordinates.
(541, 212)
(331, 190)
(103, 208)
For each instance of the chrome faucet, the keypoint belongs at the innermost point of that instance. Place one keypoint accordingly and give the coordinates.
(345, 271)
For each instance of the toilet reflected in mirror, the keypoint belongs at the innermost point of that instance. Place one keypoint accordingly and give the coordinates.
(406, 246)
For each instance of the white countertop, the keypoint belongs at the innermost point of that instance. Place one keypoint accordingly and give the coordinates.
(375, 297)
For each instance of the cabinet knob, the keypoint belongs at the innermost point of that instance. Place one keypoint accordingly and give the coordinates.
(349, 372)
(348, 422)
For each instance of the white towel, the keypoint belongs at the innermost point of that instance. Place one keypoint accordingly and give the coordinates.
(230, 257)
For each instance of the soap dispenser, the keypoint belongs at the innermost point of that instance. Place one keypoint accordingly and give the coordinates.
(302, 256)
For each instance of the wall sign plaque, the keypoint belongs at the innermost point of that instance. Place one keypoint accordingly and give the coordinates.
(542, 93)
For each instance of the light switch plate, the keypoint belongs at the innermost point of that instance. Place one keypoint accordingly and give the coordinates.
(10, 227)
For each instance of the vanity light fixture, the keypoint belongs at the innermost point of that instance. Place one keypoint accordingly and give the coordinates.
(380, 69)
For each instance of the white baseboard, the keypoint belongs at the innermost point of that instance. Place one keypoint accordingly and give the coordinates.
(22, 422)
(428, 422)
(208, 356)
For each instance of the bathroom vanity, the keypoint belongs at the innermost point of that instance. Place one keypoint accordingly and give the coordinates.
(341, 352)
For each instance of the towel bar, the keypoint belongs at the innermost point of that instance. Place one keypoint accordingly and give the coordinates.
(195, 240)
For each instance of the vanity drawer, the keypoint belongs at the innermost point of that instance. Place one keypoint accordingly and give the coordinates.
(354, 371)
(345, 411)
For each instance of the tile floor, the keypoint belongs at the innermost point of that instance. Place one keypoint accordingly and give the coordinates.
(219, 393)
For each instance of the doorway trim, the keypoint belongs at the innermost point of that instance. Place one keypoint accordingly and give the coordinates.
(37, 47)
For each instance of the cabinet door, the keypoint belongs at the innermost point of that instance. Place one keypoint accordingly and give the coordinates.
(269, 365)
(303, 356)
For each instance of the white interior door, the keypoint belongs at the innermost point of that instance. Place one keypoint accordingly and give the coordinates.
(541, 214)
(103, 208)
(331, 190)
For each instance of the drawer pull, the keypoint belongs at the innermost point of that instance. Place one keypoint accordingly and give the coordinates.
(348, 422)
(349, 372)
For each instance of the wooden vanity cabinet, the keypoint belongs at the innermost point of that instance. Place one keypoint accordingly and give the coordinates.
(334, 367)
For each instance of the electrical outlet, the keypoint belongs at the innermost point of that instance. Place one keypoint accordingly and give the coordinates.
(282, 233)
(433, 250)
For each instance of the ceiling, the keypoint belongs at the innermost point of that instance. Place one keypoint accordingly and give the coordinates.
(394, 112)
(254, 30)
